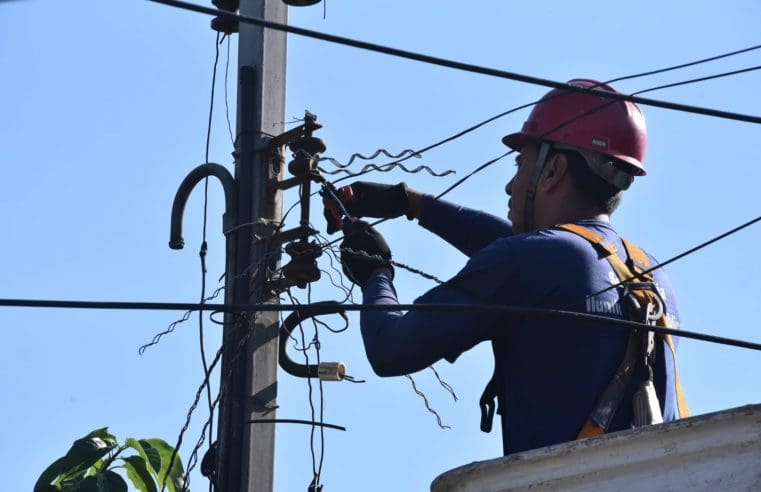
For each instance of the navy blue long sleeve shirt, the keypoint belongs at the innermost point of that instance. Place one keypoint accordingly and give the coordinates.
(550, 371)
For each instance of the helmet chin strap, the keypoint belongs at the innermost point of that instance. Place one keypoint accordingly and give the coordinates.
(541, 160)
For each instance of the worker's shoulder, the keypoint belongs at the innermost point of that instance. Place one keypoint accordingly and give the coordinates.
(555, 238)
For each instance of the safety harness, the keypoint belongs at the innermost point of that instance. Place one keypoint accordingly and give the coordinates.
(641, 302)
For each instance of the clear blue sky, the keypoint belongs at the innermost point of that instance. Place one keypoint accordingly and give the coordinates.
(103, 109)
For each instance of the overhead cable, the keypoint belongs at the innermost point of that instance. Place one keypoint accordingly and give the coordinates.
(584, 115)
(374, 155)
(456, 65)
(607, 82)
(384, 168)
(204, 245)
(317, 307)
(685, 65)
(681, 255)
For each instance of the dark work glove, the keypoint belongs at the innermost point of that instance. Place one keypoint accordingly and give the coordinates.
(363, 251)
(366, 199)
(378, 200)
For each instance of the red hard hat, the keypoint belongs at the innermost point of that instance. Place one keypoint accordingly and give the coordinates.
(586, 121)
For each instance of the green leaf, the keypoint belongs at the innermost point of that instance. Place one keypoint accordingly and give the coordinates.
(89, 484)
(137, 472)
(106, 481)
(150, 454)
(46, 487)
(84, 453)
(112, 482)
(176, 474)
(51, 473)
(103, 434)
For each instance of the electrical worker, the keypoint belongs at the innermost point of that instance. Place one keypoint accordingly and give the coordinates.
(555, 379)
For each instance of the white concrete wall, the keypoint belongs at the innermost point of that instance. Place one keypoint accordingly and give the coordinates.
(713, 452)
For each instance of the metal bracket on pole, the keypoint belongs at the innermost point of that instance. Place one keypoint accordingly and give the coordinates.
(306, 149)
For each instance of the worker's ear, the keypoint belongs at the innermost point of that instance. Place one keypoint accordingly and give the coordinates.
(554, 172)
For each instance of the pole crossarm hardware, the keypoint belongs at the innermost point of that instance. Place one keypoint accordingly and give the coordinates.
(306, 150)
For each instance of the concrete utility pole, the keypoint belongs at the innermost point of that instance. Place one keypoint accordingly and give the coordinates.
(245, 456)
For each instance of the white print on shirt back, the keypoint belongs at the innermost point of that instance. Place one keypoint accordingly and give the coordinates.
(598, 306)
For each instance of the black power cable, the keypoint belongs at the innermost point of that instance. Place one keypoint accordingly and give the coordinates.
(685, 65)
(592, 111)
(468, 67)
(204, 248)
(240, 308)
(681, 255)
(510, 152)
(513, 110)
(598, 108)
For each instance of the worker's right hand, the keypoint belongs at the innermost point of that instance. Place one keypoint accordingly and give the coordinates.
(380, 200)
(367, 199)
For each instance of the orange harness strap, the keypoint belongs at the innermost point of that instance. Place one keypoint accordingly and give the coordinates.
(632, 271)
(638, 262)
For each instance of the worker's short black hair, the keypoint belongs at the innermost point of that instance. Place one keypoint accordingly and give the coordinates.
(602, 193)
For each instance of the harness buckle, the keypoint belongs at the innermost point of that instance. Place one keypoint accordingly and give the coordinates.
(654, 308)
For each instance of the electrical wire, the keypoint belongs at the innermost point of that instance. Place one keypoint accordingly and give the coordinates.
(189, 414)
(456, 65)
(592, 111)
(524, 106)
(386, 168)
(330, 328)
(296, 421)
(204, 244)
(157, 338)
(202, 254)
(550, 131)
(333, 258)
(322, 395)
(193, 459)
(207, 374)
(414, 386)
(685, 65)
(443, 383)
(222, 389)
(227, 104)
(315, 474)
(498, 308)
(169, 329)
(426, 402)
(679, 256)
(374, 155)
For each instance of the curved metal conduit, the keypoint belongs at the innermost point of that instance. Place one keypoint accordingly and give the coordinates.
(176, 240)
(326, 371)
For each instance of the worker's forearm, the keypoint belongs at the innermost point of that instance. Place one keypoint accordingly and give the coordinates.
(466, 229)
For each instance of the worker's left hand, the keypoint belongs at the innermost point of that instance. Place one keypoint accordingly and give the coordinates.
(363, 251)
